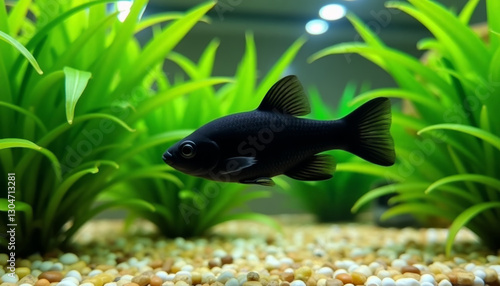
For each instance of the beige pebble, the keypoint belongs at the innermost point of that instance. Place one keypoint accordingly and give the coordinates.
(42, 282)
(411, 275)
(252, 283)
(410, 268)
(155, 281)
(465, 278)
(216, 283)
(334, 282)
(440, 277)
(131, 284)
(195, 278)
(358, 278)
(491, 275)
(22, 271)
(51, 276)
(287, 276)
(253, 276)
(141, 280)
(303, 273)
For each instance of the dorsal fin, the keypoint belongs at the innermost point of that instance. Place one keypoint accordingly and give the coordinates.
(286, 96)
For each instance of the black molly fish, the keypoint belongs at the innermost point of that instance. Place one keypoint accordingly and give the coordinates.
(252, 147)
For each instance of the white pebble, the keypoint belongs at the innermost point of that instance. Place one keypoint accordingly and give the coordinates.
(168, 283)
(66, 283)
(170, 277)
(374, 266)
(182, 272)
(352, 267)
(288, 270)
(427, 278)
(75, 274)
(496, 267)
(426, 284)
(480, 273)
(373, 281)
(87, 284)
(36, 272)
(344, 264)
(26, 284)
(459, 260)
(94, 272)
(383, 274)
(272, 262)
(162, 274)
(478, 281)
(407, 282)
(297, 283)
(325, 271)
(387, 281)
(68, 258)
(444, 282)
(71, 279)
(111, 284)
(219, 253)
(127, 277)
(36, 264)
(470, 267)
(365, 270)
(206, 277)
(286, 261)
(232, 282)
(321, 282)
(399, 263)
(492, 258)
(9, 278)
(188, 268)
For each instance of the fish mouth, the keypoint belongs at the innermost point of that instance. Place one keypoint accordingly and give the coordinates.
(168, 158)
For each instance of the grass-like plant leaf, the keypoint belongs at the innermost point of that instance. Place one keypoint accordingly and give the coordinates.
(76, 81)
(22, 50)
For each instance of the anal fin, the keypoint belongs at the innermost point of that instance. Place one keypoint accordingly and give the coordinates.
(315, 168)
(264, 181)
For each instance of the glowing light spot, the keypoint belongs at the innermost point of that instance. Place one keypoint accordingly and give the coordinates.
(316, 27)
(332, 12)
(124, 8)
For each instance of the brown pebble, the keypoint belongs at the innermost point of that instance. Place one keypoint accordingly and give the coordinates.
(155, 281)
(491, 275)
(358, 278)
(344, 277)
(195, 278)
(42, 282)
(287, 276)
(465, 278)
(253, 276)
(410, 268)
(228, 259)
(285, 283)
(156, 264)
(213, 263)
(311, 282)
(51, 276)
(334, 282)
(141, 280)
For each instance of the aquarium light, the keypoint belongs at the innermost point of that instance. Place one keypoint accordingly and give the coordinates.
(124, 8)
(316, 27)
(332, 12)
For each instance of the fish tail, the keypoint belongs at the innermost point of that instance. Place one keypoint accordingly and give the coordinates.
(369, 134)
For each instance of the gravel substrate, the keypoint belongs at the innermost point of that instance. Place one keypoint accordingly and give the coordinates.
(248, 254)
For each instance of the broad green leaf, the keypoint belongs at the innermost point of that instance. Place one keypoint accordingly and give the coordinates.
(76, 81)
(481, 179)
(474, 131)
(464, 218)
(18, 46)
(22, 143)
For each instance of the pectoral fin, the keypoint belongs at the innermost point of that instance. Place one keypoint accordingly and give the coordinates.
(236, 164)
(315, 168)
(264, 181)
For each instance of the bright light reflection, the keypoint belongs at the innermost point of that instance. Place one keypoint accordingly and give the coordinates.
(332, 12)
(124, 8)
(316, 27)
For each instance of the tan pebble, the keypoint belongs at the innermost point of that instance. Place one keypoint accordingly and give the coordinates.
(287, 276)
(174, 269)
(412, 275)
(440, 277)
(344, 277)
(397, 277)
(29, 279)
(156, 264)
(334, 282)
(141, 280)
(252, 283)
(181, 283)
(155, 281)
(465, 278)
(85, 270)
(358, 278)
(491, 275)
(51, 276)
(452, 277)
(273, 283)
(184, 278)
(285, 283)
(303, 273)
(311, 282)
(42, 282)
(54, 283)
(393, 272)
(94, 280)
(253, 276)
(216, 283)
(410, 268)
(264, 281)
(321, 282)
(131, 284)
(104, 267)
(105, 277)
(196, 278)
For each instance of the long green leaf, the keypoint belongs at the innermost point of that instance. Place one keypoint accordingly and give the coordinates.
(18, 46)
(462, 220)
(76, 81)
(29, 114)
(474, 131)
(22, 143)
(416, 208)
(365, 168)
(482, 179)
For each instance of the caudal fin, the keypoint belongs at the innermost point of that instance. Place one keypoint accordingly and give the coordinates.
(368, 131)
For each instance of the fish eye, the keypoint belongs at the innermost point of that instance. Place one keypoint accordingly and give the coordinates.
(188, 149)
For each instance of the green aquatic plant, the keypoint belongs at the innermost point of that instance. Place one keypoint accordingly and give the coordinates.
(75, 85)
(187, 205)
(333, 199)
(449, 146)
